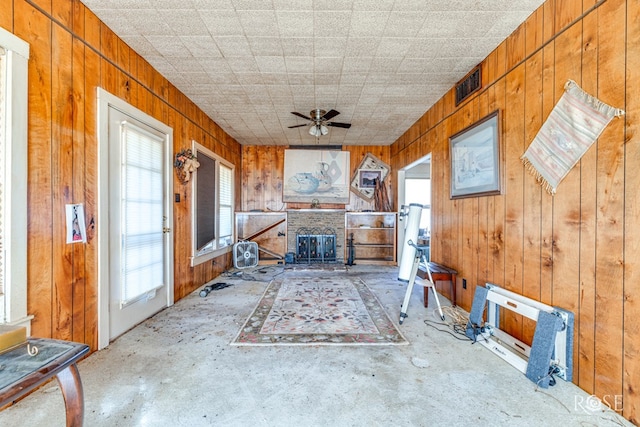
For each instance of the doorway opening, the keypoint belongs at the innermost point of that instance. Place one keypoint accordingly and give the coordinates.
(414, 186)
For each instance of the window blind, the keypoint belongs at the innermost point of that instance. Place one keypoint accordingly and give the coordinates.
(142, 265)
(226, 208)
(3, 78)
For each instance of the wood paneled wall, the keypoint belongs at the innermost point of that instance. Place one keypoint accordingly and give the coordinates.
(73, 53)
(579, 250)
(263, 170)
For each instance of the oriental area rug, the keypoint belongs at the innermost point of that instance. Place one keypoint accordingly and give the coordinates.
(319, 311)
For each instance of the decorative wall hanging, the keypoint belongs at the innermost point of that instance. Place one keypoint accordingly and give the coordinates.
(475, 159)
(185, 164)
(319, 175)
(370, 171)
(76, 229)
(574, 124)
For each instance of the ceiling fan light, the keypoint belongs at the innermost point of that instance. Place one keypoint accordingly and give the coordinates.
(313, 131)
(323, 130)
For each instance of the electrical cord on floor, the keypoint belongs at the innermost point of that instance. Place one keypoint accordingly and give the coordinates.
(458, 322)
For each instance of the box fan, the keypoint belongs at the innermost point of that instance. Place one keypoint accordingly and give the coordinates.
(245, 254)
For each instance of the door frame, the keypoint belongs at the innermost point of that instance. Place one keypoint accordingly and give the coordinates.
(105, 101)
(427, 158)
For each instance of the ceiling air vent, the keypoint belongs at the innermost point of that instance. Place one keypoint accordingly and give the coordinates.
(471, 83)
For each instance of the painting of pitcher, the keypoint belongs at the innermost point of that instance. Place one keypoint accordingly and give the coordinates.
(322, 175)
(316, 174)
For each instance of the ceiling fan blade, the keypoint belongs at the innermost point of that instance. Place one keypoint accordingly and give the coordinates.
(300, 115)
(339, 125)
(297, 126)
(330, 114)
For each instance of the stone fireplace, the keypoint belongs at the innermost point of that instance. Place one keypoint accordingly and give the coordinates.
(318, 219)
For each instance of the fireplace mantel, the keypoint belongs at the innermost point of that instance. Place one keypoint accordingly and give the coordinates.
(316, 210)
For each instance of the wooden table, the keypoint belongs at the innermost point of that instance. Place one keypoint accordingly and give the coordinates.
(21, 373)
(439, 272)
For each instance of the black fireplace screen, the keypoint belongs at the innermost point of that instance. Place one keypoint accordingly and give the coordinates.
(315, 245)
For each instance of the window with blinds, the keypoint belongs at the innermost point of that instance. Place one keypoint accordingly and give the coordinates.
(213, 189)
(226, 206)
(141, 213)
(14, 80)
(3, 79)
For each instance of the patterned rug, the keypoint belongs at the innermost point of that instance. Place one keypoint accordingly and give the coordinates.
(319, 311)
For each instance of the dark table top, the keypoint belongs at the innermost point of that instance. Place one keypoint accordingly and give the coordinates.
(21, 372)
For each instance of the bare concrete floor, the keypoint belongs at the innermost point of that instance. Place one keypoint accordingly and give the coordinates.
(178, 369)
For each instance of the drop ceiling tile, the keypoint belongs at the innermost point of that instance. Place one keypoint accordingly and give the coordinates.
(274, 78)
(240, 64)
(328, 65)
(221, 22)
(247, 79)
(265, 46)
(271, 64)
(295, 24)
(331, 23)
(259, 23)
(329, 46)
(393, 47)
(169, 46)
(215, 65)
(148, 22)
(187, 65)
(353, 78)
(201, 46)
(301, 79)
(233, 46)
(404, 24)
(362, 46)
(299, 64)
(368, 23)
(223, 78)
(297, 46)
(173, 4)
(322, 79)
(356, 64)
(293, 5)
(184, 22)
(213, 4)
(119, 4)
(414, 65)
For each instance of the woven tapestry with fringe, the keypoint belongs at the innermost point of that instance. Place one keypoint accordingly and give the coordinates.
(574, 124)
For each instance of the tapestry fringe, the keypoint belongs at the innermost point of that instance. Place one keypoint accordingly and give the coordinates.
(538, 176)
(576, 91)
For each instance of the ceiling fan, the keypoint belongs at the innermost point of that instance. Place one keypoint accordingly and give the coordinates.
(319, 121)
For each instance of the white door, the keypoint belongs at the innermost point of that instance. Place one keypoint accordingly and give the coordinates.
(139, 263)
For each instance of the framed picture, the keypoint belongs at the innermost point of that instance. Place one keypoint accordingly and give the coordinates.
(316, 175)
(475, 159)
(363, 181)
(368, 177)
